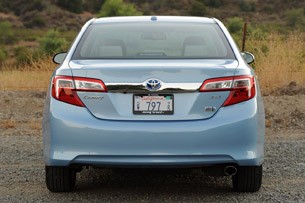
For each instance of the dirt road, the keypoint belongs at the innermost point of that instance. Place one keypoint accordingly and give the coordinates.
(22, 168)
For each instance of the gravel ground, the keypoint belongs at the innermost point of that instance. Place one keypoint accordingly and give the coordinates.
(22, 168)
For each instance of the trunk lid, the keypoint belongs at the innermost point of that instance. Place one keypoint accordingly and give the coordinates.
(179, 78)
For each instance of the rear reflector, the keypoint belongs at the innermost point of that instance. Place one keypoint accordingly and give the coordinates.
(242, 88)
(64, 88)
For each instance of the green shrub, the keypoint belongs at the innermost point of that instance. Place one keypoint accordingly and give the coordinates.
(5, 6)
(22, 7)
(93, 6)
(146, 8)
(256, 32)
(247, 5)
(36, 21)
(3, 55)
(118, 8)
(268, 8)
(295, 17)
(198, 9)
(52, 42)
(235, 25)
(6, 33)
(23, 55)
(213, 3)
(75, 6)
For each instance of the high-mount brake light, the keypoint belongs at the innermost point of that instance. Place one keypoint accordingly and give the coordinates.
(242, 88)
(64, 88)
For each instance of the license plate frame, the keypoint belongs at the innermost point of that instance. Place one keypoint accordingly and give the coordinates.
(166, 98)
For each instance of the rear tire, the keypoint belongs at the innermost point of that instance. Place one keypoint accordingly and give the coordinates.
(248, 179)
(60, 178)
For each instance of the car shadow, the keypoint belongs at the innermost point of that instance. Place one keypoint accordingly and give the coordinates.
(147, 182)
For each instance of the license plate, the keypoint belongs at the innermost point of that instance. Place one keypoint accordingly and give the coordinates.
(153, 104)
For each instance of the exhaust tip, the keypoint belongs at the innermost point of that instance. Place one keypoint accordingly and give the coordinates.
(230, 170)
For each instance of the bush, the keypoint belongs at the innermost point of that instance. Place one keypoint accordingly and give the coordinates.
(235, 25)
(21, 7)
(146, 8)
(36, 21)
(25, 56)
(295, 17)
(247, 5)
(6, 6)
(118, 8)
(93, 6)
(75, 6)
(3, 55)
(52, 42)
(6, 33)
(198, 9)
(257, 33)
(213, 3)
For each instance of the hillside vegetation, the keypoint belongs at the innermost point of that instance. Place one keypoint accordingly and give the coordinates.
(52, 13)
(32, 31)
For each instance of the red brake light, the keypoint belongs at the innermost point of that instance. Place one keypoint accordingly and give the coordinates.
(242, 88)
(64, 88)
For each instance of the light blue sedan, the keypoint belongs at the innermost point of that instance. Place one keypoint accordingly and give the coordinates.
(154, 92)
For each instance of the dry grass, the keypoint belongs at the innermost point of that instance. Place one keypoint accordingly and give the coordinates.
(279, 60)
(8, 123)
(24, 80)
(32, 77)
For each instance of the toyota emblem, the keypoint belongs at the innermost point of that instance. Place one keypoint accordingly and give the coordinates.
(153, 84)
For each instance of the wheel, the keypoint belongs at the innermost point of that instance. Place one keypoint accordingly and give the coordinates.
(60, 178)
(248, 179)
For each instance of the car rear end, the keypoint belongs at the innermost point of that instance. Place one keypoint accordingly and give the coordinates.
(154, 92)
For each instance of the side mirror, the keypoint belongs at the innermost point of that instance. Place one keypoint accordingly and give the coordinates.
(248, 57)
(59, 57)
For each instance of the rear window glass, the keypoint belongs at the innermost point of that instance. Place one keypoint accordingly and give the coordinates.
(138, 40)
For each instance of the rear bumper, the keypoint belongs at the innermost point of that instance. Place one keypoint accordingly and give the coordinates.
(73, 136)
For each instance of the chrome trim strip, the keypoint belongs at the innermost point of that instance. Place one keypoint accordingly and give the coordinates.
(141, 87)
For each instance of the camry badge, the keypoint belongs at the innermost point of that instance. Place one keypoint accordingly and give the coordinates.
(153, 84)
(93, 97)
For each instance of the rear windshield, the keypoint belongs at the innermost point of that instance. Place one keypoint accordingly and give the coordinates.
(138, 40)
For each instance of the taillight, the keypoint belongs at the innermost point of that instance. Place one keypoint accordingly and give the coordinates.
(64, 88)
(242, 88)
